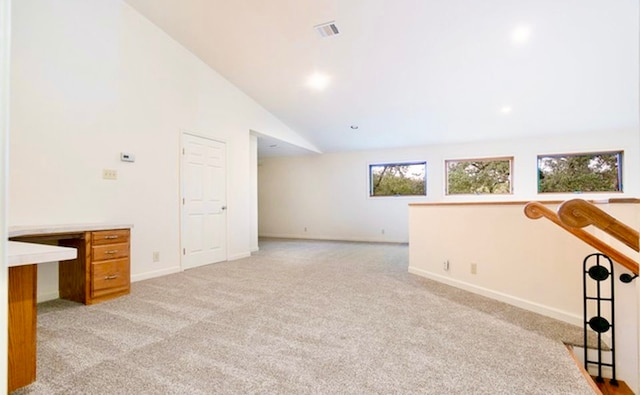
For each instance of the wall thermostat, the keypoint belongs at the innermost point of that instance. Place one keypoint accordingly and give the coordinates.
(125, 157)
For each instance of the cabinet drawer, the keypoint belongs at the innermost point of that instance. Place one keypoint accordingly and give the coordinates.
(110, 251)
(110, 237)
(109, 276)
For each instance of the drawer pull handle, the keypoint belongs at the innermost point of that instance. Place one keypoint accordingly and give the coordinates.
(111, 277)
(111, 237)
(111, 252)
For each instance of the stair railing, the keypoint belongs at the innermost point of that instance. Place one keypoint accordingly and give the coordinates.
(535, 210)
(578, 213)
(598, 300)
(572, 216)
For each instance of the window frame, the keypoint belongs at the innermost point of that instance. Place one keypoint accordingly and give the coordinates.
(370, 167)
(510, 158)
(618, 153)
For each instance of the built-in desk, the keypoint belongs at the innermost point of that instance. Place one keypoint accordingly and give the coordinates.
(93, 266)
(23, 280)
(101, 270)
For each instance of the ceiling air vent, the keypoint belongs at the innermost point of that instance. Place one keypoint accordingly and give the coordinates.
(327, 29)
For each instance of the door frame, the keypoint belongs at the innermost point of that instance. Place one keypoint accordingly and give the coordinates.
(181, 146)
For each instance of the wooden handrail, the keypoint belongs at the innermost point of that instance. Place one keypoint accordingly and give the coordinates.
(535, 210)
(579, 213)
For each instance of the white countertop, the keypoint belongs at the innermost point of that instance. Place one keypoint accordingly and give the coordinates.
(34, 230)
(28, 253)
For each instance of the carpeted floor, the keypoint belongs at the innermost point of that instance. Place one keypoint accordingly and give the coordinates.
(302, 317)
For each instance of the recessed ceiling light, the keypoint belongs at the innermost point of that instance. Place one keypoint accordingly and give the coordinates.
(521, 35)
(354, 127)
(505, 109)
(318, 81)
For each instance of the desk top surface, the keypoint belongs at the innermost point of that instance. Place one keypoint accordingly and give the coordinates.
(20, 253)
(38, 230)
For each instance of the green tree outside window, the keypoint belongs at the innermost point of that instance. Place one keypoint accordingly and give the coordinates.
(479, 176)
(398, 179)
(588, 172)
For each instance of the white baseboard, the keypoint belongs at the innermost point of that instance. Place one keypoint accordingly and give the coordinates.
(154, 274)
(241, 255)
(512, 300)
(178, 269)
(333, 238)
(48, 296)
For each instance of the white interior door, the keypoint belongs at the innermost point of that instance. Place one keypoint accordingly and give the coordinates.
(204, 196)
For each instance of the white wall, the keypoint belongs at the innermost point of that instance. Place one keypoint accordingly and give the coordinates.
(5, 33)
(93, 79)
(328, 194)
(533, 264)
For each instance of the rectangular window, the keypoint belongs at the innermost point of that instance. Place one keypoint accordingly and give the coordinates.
(398, 179)
(585, 172)
(479, 176)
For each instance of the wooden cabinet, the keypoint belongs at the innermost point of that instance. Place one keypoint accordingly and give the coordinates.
(109, 264)
(109, 237)
(102, 269)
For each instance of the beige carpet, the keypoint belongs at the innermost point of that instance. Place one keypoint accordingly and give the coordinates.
(301, 317)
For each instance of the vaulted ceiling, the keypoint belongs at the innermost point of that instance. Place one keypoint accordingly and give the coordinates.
(413, 72)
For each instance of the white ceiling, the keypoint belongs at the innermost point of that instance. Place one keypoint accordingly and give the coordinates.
(413, 72)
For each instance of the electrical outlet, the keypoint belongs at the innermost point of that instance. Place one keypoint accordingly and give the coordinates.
(305, 228)
(445, 265)
(382, 231)
(156, 256)
(109, 174)
(474, 268)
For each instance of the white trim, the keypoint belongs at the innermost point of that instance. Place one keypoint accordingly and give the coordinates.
(253, 192)
(156, 273)
(331, 238)
(241, 255)
(512, 300)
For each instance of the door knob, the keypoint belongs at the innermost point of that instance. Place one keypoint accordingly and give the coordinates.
(223, 207)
